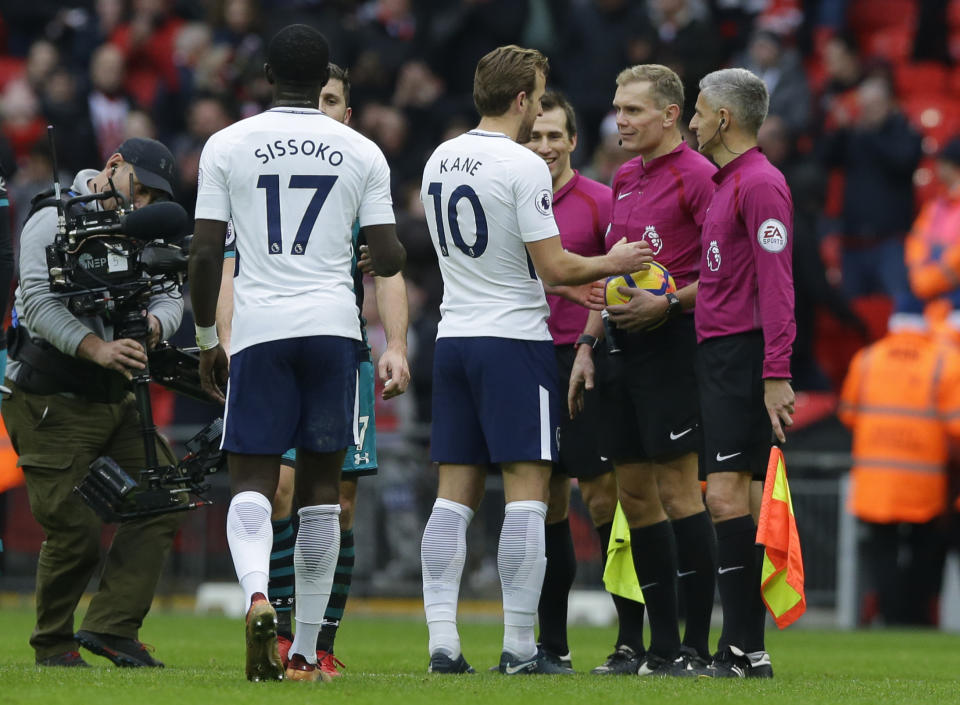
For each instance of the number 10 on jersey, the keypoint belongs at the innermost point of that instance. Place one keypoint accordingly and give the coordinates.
(480, 219)
(270, 183)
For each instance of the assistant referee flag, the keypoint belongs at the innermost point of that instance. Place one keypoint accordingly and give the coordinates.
(781, 580)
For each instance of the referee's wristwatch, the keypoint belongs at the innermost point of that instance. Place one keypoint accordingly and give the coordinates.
(673, 304)
(586, 339)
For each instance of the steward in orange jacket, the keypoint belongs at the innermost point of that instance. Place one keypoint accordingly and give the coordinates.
(901, 399)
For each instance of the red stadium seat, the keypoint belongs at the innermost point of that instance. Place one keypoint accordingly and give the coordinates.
(868, 16)
(922, 78)
(953, 15)
(11, 67)
(937, 116)
(893, 44)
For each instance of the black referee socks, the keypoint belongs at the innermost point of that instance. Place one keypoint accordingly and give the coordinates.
(655, 558)
(696, 577)
(737, 580)
(557, 581)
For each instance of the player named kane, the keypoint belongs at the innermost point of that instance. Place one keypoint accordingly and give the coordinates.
(489, 208)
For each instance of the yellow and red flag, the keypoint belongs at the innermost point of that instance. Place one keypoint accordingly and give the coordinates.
(781, 580)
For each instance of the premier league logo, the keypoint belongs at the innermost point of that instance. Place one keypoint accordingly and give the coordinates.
(713, 256)
(544, 201)
(651, 235)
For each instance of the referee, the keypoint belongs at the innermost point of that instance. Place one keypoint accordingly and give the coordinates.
(745, 330)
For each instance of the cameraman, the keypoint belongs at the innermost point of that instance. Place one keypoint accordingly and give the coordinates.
(71, 403)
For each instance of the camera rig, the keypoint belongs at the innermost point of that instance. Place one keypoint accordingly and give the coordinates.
(110, 263)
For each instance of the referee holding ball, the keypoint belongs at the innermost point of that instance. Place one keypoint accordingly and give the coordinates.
(651, 428)
(745, 330)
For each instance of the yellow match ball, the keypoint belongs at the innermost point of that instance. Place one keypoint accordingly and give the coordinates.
(656, 280)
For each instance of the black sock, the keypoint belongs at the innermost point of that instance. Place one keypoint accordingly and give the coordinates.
(754, 639)
(281, 586)
(342, 579)
(655, 558)
(697, 577)
(557, 581)
(629, 612)
(736, 540)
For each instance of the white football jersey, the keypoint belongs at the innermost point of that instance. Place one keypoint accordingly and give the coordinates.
(485, 196)
(293, 181)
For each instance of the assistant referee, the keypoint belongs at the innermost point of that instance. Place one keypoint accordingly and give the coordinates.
(745, 330)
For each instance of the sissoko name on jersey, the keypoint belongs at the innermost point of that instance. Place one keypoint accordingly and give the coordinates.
(293, 181)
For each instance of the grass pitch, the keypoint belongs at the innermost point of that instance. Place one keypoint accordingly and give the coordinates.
(386, 665)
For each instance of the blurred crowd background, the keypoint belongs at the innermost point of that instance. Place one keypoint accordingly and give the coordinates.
(865, 97)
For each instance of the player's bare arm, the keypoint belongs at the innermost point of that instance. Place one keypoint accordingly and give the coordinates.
(393, 367)
(588, 295)
(205, 273)
(225, 304)
(387, 255)
(645, 308)
(557, 266)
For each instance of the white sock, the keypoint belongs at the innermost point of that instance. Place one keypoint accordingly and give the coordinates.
(250, 537)
(521, 560)
(314, 562)
(443, 552)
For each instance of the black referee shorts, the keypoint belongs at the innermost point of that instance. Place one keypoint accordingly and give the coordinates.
(736, 428)
(579, 446)
(649, 395)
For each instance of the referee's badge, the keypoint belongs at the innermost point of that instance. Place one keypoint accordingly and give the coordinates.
(651, 235)
(772, 235)
(713, 256)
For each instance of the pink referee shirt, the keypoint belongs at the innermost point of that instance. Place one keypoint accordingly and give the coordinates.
(582, 211)
(746, 279)
(664, 202)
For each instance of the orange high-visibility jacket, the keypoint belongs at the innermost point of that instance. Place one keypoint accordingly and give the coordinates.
(933, 248)
(901, 399)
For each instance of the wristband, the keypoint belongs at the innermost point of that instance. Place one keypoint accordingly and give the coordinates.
(586, 339)
(207, 337)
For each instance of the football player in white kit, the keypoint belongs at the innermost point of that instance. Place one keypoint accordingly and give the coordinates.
(488, 201)
(293, 181)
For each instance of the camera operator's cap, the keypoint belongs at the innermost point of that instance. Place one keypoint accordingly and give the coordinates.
(152, 162)
(951, 151)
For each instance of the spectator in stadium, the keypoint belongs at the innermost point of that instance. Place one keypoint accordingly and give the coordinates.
(361, 459)
(782, 72)
(901, 400)
(107, 100)
(745, 331)
(933, 245)
(495, 371)
(807, 181)
(276, 339)
(681, 38)
(581, 207)
(660, 197)
(71, 404)
(878, 151)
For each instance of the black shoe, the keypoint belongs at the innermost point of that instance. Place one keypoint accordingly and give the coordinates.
(510, 665)
(730, 662)
(441, 663)
(694, 665)
(127, 653)
(760, 666)
(68, 659)
(654, 665)
(562, 661)
(622, 662)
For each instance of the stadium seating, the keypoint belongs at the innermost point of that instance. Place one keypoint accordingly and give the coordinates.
(937, 116)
